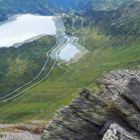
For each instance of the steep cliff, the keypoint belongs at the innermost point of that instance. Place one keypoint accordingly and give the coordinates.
(113, 113)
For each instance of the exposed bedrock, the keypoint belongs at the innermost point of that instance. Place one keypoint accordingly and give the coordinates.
(111, 114)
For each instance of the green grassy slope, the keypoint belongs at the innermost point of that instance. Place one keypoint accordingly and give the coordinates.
(20, 65)
(43, 100)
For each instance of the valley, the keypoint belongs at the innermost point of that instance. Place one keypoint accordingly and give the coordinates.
(56, 52)
(53, 56)
(65, 82)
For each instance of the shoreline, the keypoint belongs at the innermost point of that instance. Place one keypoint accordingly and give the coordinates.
(30, 39)
(60, 35)
(65, 39)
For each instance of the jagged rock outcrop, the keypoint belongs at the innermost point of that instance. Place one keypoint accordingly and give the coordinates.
(115, 132)
(113, 113)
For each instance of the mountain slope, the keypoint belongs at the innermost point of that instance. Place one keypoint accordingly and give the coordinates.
(116, 27)
(45, 7)
(122, 21)
(22, 64)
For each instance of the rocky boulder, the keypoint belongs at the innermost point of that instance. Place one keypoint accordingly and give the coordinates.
(111, 114)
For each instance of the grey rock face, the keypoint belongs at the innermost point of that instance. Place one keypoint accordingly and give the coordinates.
(79, 121)
(121, 90)
(111, 114)
(115, 132)
(19, 136)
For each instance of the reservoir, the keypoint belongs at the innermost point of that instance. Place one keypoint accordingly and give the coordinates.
(68, 52)
(23, 27)
(20, 28)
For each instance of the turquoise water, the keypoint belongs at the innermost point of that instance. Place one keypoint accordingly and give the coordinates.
(68, 52)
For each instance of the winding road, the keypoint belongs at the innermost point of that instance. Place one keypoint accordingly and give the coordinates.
(26, 84)
(61, 41)
(10, 97)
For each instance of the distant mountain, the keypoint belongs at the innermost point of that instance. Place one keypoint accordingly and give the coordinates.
(11, 7)
(101, 5)
(123, 22)
(45, 7)
(121, 25)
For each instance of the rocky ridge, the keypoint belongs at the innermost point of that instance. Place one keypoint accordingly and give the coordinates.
(111, 114)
